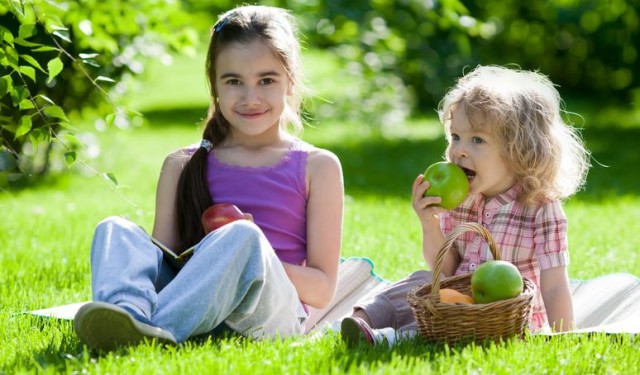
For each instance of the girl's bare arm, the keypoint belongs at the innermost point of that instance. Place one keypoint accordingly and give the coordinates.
(316, 282)
(165, 226)
(554, 286)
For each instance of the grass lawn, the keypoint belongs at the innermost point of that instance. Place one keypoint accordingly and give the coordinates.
(46, 230)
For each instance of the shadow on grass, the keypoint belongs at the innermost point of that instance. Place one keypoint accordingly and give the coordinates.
(440, 356)
(416, 348)
(379, 166)
(184, 116)
(385, 167)
(388, 167)
(60, 346)
(615, 160)
(63, 353)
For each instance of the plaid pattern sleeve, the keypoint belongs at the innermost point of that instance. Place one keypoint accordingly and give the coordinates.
(550, 236)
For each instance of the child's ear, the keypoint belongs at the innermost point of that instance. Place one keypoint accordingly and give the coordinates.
(290, 88)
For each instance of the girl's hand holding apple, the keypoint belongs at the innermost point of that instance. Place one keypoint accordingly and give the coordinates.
(426, 207)
(447, 181)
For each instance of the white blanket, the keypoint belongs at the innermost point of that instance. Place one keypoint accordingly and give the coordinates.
(610, 303)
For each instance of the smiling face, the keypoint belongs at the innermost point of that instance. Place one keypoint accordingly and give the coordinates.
(477, 151)
(252, 86)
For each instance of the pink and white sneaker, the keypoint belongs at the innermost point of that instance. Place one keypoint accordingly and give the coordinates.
(355, 331)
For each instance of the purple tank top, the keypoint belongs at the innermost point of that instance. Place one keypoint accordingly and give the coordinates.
(276, 196)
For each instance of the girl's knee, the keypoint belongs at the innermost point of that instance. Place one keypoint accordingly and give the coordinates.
(244, 229)
(240, 234)
(112, 222)
(117, 226)
(244, 225)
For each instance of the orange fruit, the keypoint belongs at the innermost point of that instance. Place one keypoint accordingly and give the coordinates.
(453, 296)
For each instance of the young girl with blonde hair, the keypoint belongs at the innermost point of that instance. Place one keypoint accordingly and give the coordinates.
(504, 127)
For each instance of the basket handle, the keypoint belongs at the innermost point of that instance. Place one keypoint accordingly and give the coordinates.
(449, 240)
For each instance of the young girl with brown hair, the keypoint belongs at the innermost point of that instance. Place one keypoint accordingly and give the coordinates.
(253, 277)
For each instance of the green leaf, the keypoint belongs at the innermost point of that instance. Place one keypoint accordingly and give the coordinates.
(105, 79)
(55, 67)
(110, 177)
(27, 30)
(37, 136)
(26, 43)
(24, 126)
(7, 36)
(6, 85)
(111, 118)
(12, 57)
(91, 62)
(33, 62)
(58, 28)
(70, 141)
(66, 125)
(26, 104)
(18, 94)
(45, 49)
(55, 111)
(70, 157)
(46, 99)
(8, 125)
(89, 59)
(62, 35)
(28, 71)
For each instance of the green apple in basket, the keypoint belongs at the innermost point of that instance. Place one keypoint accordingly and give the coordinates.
(449, 182)
(496, 280)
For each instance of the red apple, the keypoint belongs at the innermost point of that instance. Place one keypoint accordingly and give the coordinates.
(220, 214)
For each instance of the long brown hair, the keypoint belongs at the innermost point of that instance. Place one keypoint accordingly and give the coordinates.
(275, 28)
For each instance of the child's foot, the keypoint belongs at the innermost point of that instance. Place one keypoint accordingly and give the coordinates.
(104, 326)
(355, 331)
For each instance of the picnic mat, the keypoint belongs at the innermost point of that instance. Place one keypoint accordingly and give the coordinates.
(609, 303)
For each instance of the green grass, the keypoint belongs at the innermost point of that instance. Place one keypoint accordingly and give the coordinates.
(45, 236)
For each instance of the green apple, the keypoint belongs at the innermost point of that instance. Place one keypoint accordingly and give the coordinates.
(449, 182)
(496, 280)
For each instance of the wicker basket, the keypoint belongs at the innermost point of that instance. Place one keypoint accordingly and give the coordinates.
(457, 322)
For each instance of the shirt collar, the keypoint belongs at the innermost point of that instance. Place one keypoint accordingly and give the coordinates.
(505, 198)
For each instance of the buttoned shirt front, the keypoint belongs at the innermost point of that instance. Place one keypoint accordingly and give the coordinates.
(532, 237)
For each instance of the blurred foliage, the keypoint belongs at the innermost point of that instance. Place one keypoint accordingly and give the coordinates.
(66, 59)
(397, 55)
(61, 60)
(587, 47)
(406, 51)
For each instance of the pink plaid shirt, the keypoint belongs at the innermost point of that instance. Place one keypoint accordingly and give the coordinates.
(531, 237)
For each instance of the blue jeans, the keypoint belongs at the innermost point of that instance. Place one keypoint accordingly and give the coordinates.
(233, 277)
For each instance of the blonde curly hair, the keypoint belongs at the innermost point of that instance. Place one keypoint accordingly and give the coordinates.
(522, 110)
